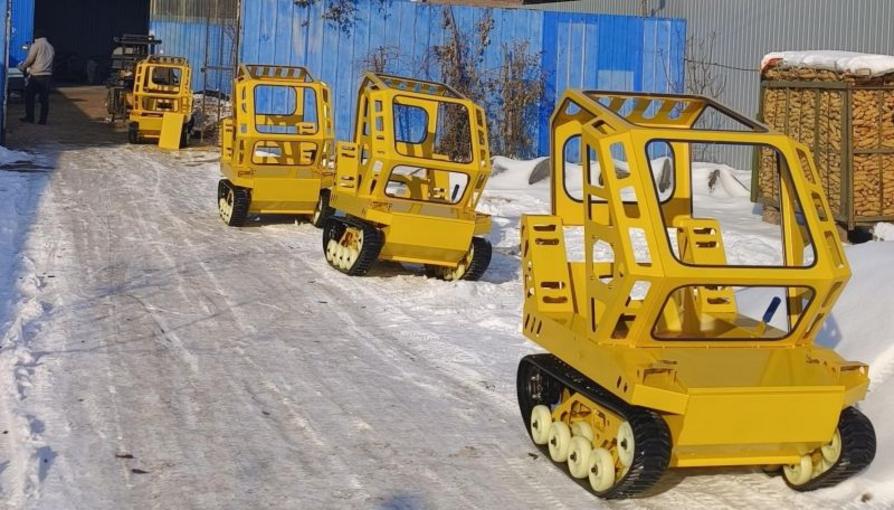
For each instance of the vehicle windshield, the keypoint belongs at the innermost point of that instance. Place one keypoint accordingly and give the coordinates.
(285, 109)
(432, 129)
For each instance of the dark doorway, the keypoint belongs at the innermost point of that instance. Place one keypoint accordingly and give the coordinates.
(82, 33)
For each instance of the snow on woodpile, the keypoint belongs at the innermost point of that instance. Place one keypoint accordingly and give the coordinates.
(846, 62)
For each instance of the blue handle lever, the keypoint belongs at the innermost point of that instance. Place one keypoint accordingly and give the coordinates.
(771, 310)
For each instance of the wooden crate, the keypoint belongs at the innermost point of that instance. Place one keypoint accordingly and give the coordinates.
(848, 123)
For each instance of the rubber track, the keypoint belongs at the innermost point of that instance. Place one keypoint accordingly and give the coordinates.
(332, 229)
(372, 243)
(651, 435)
(858, 446)
(325, 211)
(480, 259)
(241, 202)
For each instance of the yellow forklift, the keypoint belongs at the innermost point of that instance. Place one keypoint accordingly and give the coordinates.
(407, 187)
(276, 149)
(162, 102)
(130, 50)
(664, 352)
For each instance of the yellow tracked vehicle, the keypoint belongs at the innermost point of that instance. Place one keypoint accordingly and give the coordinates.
(276, 149)
(665, 348)
(162, 102)
(407, 186)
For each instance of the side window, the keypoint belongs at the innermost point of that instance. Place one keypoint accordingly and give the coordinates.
(309, 110)
(572, 169)
(364, 117)
(410, 123)
(454, 132)
(661, 163)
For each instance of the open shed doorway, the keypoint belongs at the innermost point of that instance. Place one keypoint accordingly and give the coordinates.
(82, 33)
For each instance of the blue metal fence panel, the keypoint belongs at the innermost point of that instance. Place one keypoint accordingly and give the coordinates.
(21, 30)
(576, 50)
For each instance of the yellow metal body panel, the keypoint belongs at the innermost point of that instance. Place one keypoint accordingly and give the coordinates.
(171, 130)
(285, 159)
(162, 85)
(730, 395)
(424, 223)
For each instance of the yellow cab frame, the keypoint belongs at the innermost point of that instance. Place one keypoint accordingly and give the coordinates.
(162, 86)
(431, 220)
(276, 161)
(728, 395)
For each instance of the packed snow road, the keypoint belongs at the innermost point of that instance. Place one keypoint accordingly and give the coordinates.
(154, 358)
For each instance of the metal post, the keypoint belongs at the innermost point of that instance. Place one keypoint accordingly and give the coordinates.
(205, 67)
(220, 56)
(7, 28)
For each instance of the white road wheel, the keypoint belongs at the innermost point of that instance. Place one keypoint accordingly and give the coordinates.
(800, 473)
(225, 206)
(331, 249)
(601, 470)
(832, 451)
(541, 419)
(821, 467)
(353, 250)
(626, 444)
(582, 428)
(559, 441)
(340, 252)
(579, 456)
(457, 273)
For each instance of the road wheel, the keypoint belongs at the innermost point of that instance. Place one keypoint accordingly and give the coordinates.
(471, 267)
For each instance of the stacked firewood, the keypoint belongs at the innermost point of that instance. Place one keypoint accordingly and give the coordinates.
(814, 116)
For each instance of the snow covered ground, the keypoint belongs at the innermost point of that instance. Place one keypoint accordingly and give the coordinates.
(152, 357)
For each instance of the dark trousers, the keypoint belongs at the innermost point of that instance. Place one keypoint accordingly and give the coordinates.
(37, 86)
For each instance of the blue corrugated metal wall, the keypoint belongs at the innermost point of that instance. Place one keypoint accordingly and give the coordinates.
(4, 56)
(578, 50)
(189, 38)
(590, 51)
(22, 31)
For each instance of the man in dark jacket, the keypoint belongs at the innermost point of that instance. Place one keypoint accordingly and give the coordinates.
(38, 69)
